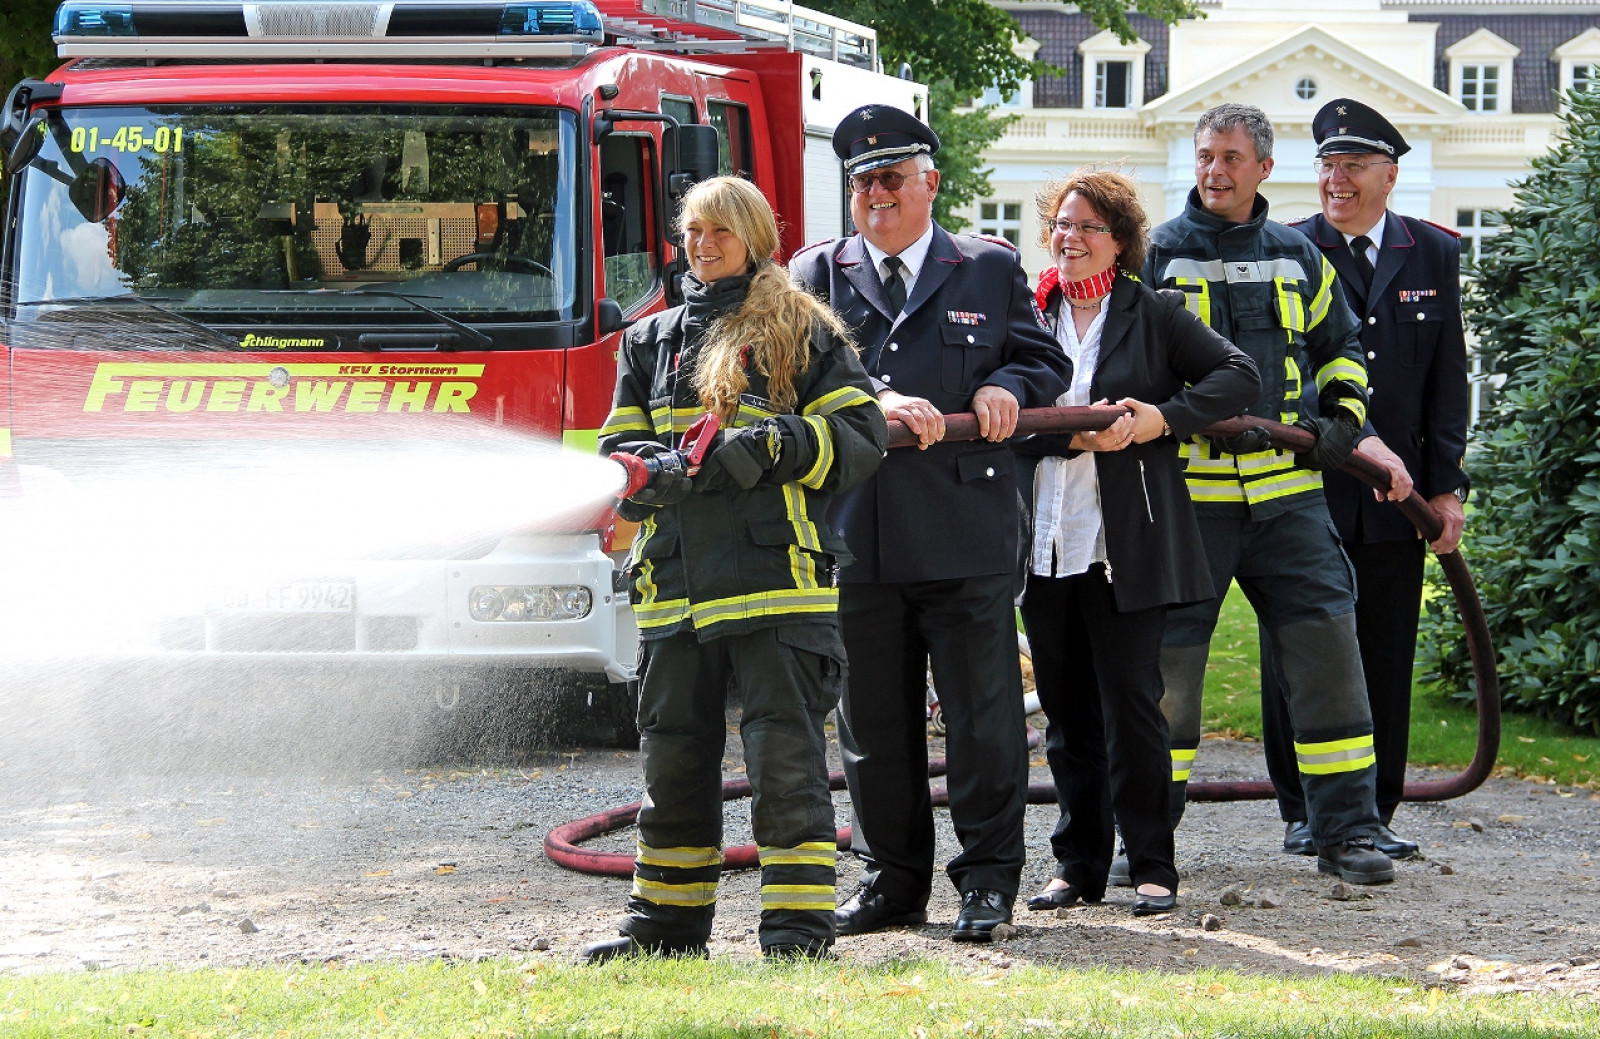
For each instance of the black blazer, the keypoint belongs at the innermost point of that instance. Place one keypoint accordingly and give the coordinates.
(1154, 350)
(950, 511)
(1416, 354)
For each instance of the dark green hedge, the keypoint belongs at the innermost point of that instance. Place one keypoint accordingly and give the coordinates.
(1534, 535)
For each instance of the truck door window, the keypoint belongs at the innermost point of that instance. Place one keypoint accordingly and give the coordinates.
(733, 137)
(284, 213)
(679, 108)
(626, 224)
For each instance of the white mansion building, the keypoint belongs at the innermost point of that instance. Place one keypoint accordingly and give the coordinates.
(1474, 87)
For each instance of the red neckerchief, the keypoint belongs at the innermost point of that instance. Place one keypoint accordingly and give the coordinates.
(1092, 287)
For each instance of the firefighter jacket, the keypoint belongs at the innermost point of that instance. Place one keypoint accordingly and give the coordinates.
(727, 562)
(1271, 293)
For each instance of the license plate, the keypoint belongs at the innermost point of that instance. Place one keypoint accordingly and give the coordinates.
(288, 597)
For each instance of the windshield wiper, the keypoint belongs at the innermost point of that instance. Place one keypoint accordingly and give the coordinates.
(480, 339)
(75, 301)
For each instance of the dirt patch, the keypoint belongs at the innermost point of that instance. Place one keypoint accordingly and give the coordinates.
(194, 850)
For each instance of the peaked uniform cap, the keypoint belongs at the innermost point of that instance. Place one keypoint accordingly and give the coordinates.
(881, 135)
(1346, 127)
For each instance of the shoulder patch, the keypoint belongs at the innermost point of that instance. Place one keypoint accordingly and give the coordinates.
(810, 248)
(995, 240)
(1296, 222)
(1452, 232)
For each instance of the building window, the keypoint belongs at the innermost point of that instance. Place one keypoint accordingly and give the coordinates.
(1306, 88)
(991, 97)
(1579, 58)
(1113, 84)
(1001, 220)
(1480, 88)
(1475, 225)
(1583, 76)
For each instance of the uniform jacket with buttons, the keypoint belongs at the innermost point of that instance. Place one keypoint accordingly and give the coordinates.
(950, 511)
(1416, 355)
(1272, 294)
(732, 561)
(1152, 349)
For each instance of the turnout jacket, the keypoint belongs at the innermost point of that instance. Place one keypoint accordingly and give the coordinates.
(727, 562)
(1416, 355)
(1269, 291)
(1153, 350)
(951, 511)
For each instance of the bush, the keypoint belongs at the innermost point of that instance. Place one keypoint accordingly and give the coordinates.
(1535, 533)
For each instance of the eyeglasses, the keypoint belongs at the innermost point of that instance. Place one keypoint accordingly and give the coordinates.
(1069, 226)
(892, 180)
(1349, 167)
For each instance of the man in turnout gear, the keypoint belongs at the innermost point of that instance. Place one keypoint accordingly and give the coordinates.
(734, 574)
(1263, 518)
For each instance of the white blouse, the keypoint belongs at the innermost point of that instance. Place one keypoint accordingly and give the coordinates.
(1068, 530)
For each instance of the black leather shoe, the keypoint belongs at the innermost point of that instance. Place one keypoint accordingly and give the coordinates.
(1055, 898)
(628, 946)
(1393, 845)
(1297, 838)
(797, 953)
(981, 912)
(1121, 874)
(867, 911)
(1151, 905)
(1356, 861)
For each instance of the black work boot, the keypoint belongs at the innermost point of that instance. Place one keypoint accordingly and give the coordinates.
(628, 946)
(1356, 860)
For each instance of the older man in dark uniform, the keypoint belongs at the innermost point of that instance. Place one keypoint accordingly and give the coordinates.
(1401, 276)
(946, 323)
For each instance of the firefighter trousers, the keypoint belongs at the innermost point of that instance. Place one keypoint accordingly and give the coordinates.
(1294, 571)
(788, 679)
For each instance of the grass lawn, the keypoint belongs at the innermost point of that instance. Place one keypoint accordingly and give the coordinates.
(919, 999)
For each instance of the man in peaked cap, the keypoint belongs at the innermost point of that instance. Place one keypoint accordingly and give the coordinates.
(1401, 276)
(946, 324)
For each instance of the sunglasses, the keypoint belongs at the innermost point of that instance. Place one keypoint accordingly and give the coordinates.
(892, 180)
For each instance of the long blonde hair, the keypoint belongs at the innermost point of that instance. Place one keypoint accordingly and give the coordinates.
(776, 318)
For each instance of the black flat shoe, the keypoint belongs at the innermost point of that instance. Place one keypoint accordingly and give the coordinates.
(1152, 905)
(867, 911)
(981, 912)
(1055, 898)
(1393, 845)
(1297, 838)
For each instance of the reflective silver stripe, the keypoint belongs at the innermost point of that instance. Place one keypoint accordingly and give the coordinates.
(1236, 272)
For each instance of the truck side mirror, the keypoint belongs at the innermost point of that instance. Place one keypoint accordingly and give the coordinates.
(97, 190)
(27, 145)
(690, 153)
(608, 317)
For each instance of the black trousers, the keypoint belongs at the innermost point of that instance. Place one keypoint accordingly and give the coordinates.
(1098, 674)
(1388, 602)
(966, 629)
(789, 678)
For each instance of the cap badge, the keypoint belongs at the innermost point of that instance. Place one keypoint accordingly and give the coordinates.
(1341, 110)
(866, 114)
(872, 140)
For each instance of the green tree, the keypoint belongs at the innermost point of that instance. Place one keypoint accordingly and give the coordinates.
(1534, 537)
(25, 45)
(963, 138)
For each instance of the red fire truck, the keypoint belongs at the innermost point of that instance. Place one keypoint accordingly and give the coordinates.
(232, 222)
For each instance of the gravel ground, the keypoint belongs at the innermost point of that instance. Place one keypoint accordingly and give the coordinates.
(150, 822)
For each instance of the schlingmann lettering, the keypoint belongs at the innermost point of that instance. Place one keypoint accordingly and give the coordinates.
(310, 388)
(254, 342)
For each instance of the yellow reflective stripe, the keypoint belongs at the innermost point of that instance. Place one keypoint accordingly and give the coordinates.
(1264, 463)
(1324, 297)
(1293, 384)
(1341, 368)
(749, 414)
(5, 443)
(1356, 408)
(1197, 303)
(1334, 756)
(645, 582)
(1291, 308)
(766, 604)
(700, 893)
(1182, 764)
(824, 433)
(812, 853)
(1299, 482)
(801, 566)
(678, 858)
(625, 418)
(838, 400)
(666, 419)
(660, 614)
(797, 896)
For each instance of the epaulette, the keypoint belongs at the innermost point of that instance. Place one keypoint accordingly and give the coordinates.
(807, 248)
(1301, 220)
(997, 240)
(1447, 230)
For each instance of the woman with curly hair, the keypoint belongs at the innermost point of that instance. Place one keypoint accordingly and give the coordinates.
(734, 575)
(1115, 541)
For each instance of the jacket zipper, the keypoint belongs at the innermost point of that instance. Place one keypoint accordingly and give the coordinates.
(1148, 511)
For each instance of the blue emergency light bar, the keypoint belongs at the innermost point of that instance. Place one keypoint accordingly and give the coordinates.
(327, 28)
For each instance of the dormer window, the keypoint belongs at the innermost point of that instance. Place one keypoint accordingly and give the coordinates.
(1480, 72)
(1579, 59)
(1113, 72)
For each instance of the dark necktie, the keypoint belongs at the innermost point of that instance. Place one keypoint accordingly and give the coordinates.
(1358, 248)
(894, 286)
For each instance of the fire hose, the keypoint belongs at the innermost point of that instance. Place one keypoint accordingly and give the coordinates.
(561, 845)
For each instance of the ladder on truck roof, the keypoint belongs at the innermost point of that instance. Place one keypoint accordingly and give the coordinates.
(736, 24)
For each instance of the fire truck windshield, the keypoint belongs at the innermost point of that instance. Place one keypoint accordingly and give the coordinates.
(215, 211)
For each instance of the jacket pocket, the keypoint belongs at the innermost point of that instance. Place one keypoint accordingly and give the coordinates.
(1417, 331)
(822, 552)
(985, 461)
(966, 348)
(820, 662)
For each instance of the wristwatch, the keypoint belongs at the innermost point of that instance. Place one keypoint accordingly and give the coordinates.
(1461, 494)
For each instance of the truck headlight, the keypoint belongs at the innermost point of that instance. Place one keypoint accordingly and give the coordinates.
(529, 602)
